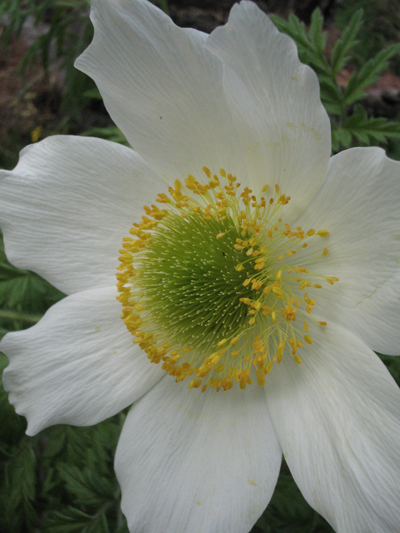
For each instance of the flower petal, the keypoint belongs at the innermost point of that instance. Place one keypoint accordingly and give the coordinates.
(358, 205)
(78, 365)
(188, 461)
(162, 88)
(66, 206)
(337, 416)
(284, 129)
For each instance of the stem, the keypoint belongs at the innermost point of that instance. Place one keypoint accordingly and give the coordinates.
(12, 315)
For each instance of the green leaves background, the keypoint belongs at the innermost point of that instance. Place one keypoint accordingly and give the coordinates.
(62, 480)
(350, 124)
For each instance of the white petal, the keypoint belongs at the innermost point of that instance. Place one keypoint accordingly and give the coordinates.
(358, 205)
(78, 365)
(67, 205)
(162, 88)
(284, 129)
(337, 416)
(193, 462)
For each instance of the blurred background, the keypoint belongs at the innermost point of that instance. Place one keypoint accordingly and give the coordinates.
(41, 93)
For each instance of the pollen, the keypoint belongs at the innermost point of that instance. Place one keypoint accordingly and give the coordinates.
(213, 284)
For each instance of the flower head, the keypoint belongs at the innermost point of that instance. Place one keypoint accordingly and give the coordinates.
(210, 285)
(255, 277)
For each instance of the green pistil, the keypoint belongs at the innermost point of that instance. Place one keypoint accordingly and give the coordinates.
(188, 283)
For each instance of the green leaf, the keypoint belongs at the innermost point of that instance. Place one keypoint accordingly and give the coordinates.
(24, 296)
(18, 489)
(93, 93)
(294, 28)
(346, 43)
(77, 445)
(369, 74)
(122, 525)
(371, 131)
(393, 150)
(111, 133)
(86, 486)
(341, 139)
(21, 476)
(69, 520)
(8, 272)
(393, 365)
(330, 92)
(288, 512)
(12, 426)
(317, 36)
(82, 488)
(163, 4)
(99, 525)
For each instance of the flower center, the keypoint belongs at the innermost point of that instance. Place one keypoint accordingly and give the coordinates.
(212, 284)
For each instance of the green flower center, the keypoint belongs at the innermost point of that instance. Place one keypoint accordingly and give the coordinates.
(210, 286)
(192, 275)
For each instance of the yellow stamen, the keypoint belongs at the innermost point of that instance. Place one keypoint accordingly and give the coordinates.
(240, 285)
(308, 339)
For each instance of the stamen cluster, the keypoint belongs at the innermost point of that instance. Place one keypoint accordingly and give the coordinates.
(211, 286)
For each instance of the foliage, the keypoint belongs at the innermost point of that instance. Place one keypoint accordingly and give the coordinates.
(66, 32)
(350, 124)
(288, 511)
(111, 133)
(24, 296)
(381, 27)
(62, 480)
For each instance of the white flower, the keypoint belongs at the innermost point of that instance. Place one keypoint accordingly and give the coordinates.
(189, 461)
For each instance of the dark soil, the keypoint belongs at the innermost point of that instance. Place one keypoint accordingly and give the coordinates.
(206, 15)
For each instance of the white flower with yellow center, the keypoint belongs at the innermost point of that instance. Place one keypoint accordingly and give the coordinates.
(255, 278)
